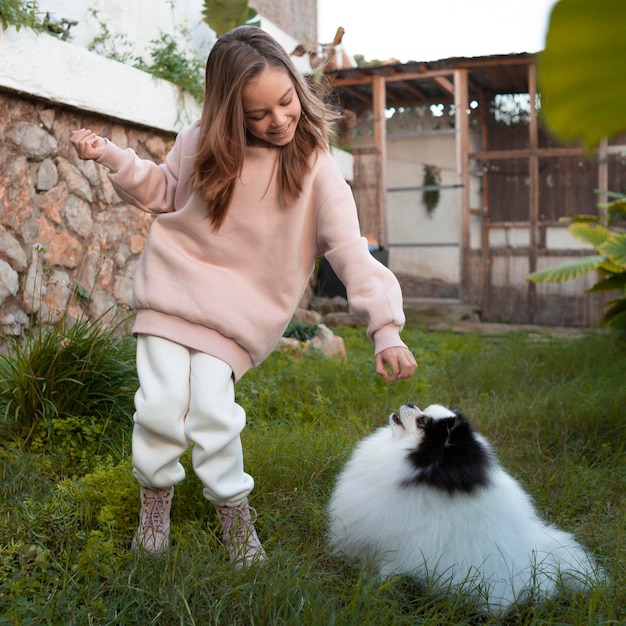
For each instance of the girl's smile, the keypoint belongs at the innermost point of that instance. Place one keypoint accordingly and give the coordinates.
(271, 107)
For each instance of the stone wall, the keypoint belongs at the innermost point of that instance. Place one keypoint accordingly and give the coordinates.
(67, 242)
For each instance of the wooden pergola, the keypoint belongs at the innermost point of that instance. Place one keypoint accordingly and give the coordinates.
(458, 81)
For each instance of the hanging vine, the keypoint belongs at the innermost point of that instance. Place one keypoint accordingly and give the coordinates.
(431, 182)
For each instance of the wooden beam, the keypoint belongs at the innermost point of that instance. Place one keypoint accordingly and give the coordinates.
(461, 103)
(357, 95)
(494, 155)
(533, 196)
(603, 177)
(400, 76)
(380, 142)
(445, 84)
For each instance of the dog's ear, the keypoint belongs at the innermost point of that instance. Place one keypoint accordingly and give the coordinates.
(459, 419)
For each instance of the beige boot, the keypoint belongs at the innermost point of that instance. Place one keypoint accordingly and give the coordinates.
(239, 534)
(153, 533)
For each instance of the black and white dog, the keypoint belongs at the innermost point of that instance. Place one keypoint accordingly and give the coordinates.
(426, 496)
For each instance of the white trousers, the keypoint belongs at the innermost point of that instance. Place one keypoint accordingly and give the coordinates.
(187, 397)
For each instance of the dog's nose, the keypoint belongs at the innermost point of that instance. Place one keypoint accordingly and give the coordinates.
(411, 405)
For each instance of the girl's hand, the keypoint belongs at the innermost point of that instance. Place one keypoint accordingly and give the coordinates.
(88, 145)
(395, 364)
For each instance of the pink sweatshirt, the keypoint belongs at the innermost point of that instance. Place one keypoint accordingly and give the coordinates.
(231, 293)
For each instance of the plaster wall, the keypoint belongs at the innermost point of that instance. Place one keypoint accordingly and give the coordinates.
(421, 244)
(40, 65)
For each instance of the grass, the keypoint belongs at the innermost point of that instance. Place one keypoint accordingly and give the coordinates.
(553, 409)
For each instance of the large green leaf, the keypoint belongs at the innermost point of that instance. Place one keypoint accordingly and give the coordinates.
(616, 315)
(593, 234)
(224, 15)
(568, 270)
(609, 284)
(615, 249)
(582, 69)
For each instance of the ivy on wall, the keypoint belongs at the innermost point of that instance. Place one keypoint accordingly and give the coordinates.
(430, 183)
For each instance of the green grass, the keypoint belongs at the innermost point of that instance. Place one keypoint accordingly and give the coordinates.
(553, 409)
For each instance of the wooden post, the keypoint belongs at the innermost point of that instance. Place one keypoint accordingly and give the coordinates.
(603, 177)
(461, 104)
(380, 141)
(533, 174)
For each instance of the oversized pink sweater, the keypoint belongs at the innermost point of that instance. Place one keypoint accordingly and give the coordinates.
(231, 293)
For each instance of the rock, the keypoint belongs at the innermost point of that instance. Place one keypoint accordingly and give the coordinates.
(35, 142)
(324, 341)
(11, 251)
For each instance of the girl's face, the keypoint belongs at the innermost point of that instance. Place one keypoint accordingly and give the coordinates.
(271, 107)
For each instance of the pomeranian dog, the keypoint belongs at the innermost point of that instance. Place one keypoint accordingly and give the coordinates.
(427, 497)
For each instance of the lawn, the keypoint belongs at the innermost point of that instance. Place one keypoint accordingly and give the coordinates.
(554, 410)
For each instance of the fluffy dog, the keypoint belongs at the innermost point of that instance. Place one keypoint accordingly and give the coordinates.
(426, 496)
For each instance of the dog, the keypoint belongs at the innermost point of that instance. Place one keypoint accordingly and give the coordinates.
(427, 497)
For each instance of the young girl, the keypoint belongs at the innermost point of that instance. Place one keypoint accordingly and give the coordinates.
(246, 200)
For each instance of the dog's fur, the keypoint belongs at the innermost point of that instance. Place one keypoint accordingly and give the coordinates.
(426, 496)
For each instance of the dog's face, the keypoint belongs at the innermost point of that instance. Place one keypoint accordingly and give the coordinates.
(441, 448)
(410, 422)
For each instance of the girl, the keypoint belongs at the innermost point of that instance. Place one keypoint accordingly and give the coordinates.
(246, 200)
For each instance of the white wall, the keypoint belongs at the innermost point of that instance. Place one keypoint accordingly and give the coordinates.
(430, 245)
(65, 71)
(141, 21)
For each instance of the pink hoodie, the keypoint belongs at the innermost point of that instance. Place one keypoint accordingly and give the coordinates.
(231, 293)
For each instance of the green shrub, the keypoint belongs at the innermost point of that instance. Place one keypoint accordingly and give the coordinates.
(63, 371)
(20, 13)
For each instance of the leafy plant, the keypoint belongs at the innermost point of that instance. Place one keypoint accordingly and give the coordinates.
(169, 63)
(114, 46)
(581, 70)
(20, 13)
(300, 331)
(224, 15)
(430, 195)
(61, 371)
(609, 260)
(583, 93)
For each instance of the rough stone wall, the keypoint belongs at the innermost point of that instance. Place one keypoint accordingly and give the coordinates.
(296, 17)
(67, 242)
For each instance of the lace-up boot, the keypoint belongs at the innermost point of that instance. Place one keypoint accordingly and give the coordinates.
(153, 533)
(240, 535)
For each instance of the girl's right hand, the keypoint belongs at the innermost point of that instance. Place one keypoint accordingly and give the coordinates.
(88, 145)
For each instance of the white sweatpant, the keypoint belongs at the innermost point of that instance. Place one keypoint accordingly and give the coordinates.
(185, 397)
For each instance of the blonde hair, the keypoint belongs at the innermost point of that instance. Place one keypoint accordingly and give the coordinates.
(235, 59)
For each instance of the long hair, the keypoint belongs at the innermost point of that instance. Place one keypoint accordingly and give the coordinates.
(235, 59)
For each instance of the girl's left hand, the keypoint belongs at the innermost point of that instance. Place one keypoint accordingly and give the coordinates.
(395, 364)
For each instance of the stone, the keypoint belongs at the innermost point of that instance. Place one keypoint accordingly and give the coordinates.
(35, 142)
(123, 287)
(9, 282)
(89, 170)
(34, 287)
(324, 342)
(47, 117)
(77, 184)
(77, 214)
(11, 251)
(58, 292)
(51, 202)
(342, 319)
(64, 251)
(306, 316)
(47, 176)
(136, 243)
(13, 320)
(329, 344)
